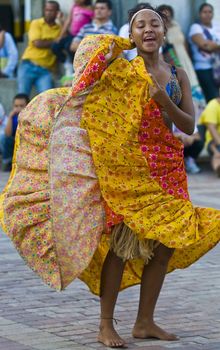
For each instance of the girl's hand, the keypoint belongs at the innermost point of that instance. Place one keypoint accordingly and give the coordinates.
(109, 55)
(158, 93)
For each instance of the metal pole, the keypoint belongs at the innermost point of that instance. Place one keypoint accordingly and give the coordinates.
(27, 14)
(17, 18)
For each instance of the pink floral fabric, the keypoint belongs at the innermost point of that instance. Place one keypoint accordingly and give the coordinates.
(76, 202)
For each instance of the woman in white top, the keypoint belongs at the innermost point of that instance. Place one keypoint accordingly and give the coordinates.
(203, 41)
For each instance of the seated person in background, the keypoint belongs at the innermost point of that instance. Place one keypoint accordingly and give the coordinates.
(193, 145)
(210, 118)
(3, 121)
(7, 139)
(100, 25)
(8, 54)
(38, 60)
(81, 13)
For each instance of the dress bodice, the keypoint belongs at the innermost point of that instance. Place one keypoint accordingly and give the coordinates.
(173, 87)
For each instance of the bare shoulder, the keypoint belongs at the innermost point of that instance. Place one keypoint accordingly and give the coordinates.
(181, 74)
(168, 67)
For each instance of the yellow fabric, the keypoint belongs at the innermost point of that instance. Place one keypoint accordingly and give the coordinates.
(113, 123)
(211, 114)
(40, 30)
(7, 187)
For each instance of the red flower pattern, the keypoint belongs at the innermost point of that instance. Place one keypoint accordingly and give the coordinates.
(162, 151)
(96, 67)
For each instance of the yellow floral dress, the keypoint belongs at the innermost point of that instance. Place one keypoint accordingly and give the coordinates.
(95, 156)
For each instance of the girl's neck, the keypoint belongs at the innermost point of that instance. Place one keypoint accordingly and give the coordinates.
(151, 60)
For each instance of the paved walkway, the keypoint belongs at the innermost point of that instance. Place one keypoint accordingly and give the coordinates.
(33, 317)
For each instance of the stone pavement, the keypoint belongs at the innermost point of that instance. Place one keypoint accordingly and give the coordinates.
(33, 317)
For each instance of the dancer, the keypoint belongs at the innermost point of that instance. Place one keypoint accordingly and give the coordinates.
(107, 201)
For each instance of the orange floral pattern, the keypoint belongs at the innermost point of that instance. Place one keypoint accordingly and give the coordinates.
(91, 74)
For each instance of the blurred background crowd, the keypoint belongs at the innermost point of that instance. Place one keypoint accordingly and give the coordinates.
(38, 40)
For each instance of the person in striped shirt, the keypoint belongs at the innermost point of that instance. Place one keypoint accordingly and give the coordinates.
(101, 23)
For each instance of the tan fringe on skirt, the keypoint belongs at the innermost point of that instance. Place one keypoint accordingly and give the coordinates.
(126, 245)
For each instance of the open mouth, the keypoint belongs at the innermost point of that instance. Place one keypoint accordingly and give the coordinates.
(149, 40)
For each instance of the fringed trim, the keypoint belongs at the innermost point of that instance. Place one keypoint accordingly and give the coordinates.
(126, 245)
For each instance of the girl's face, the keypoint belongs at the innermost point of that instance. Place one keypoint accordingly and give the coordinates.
(206, 15)
(147, 32)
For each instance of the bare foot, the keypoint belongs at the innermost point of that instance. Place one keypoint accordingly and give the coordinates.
(108, 335)
(145, 330)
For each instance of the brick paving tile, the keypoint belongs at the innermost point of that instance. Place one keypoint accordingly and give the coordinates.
(6, 344)
(33, 317)
(152, 347)
(73, 347)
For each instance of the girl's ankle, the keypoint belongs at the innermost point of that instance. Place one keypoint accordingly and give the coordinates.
(108, 321)
(144, 320)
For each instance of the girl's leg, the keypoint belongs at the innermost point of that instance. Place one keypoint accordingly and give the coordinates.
(151, 283)
(112, 272)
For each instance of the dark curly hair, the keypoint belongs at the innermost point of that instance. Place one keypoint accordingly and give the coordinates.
(202, 6)
(107, 2)
(55, 3)
(88, 2)
(168, 8)
(147, 6)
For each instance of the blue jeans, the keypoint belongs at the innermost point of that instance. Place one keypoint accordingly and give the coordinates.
(30, 74)
(7, 148)
(207, 83)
